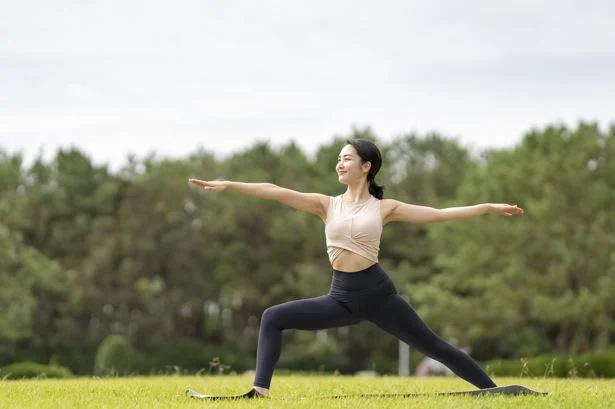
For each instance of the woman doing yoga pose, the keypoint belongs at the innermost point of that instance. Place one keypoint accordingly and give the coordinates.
(360, 288)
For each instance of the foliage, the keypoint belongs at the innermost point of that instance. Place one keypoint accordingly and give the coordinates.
(29, 369)
(321, 355)
(598, 364)
(86, 252)
(115, 355)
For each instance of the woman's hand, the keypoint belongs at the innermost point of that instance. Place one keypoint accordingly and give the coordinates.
(505, 209)
(215, 185)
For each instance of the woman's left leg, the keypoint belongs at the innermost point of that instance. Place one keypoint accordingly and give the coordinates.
(398, 318)
(305, 314)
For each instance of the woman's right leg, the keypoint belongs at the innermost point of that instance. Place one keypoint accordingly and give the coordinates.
(397, 317)
(306, 314)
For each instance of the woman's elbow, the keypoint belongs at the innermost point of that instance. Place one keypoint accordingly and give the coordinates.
(274, 192)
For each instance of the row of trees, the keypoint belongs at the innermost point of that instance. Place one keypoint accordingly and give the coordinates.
(184, 274)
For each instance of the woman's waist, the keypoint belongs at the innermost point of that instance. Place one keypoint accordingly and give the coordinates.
(344, 293)
(347, 261)
(373, 278)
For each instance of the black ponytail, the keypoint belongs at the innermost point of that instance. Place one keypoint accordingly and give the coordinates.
(374, 189)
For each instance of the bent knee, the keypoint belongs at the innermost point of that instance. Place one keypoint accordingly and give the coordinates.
(274, 315)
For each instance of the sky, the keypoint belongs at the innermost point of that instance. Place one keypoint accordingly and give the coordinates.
(120, 77)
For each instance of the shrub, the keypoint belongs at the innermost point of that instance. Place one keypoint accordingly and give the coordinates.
(115, 356)
(320, 355)
(592, 364)
(189, 356)
(30, 369)
(597, 364)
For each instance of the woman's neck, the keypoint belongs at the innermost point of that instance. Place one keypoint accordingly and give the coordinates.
(356, 194)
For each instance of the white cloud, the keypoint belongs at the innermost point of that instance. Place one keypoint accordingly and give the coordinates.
(171, 76)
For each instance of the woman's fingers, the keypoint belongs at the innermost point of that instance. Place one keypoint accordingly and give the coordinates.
(207, 184)
(513, 211)
(199, 182)
(518, 210)
(510, 210)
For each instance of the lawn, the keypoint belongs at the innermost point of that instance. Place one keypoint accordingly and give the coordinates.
(286, 390)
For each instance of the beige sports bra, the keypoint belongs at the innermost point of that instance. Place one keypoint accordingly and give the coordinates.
(354, 227)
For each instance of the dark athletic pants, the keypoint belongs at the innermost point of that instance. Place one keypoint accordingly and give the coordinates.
(367, 294)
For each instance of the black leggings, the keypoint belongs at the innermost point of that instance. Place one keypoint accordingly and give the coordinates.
(367, 294)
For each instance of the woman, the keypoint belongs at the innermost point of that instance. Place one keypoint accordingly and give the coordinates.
(360, 288)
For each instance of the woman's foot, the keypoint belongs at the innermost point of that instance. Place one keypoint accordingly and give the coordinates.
(251, 394)
(262, 391)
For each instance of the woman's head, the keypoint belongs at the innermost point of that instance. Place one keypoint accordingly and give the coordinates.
(360, 159)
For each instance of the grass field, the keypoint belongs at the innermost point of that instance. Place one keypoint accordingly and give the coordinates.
(168, 392)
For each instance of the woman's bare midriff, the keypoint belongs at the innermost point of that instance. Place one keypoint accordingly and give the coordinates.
(350, 262)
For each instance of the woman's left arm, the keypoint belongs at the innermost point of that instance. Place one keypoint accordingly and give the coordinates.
(410, 213)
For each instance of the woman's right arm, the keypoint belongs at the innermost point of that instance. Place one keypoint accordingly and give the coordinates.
(315, 203)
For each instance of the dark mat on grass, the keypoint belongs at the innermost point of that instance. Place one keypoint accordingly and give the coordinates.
(498, 390)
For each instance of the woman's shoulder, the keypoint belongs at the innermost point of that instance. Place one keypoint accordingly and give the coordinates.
(327, 202)
(387, 202)
(333, 198)
(386, 207)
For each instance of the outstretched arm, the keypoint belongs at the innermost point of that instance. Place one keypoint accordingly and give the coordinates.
(314, 203)
(405, 212)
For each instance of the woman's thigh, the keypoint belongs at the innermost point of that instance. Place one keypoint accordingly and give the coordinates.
(398, 318)
(310, 314)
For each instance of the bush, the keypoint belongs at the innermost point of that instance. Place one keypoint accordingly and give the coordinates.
(190, 356)
(597, 364)
(30, 369)
(320, 355)
(592, 364)
(115, 356)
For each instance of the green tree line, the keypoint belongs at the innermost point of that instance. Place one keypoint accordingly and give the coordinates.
(185, 275)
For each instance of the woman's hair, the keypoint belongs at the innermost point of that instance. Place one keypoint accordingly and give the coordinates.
(369, 152)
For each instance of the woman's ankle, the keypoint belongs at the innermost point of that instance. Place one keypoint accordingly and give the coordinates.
(262, 391)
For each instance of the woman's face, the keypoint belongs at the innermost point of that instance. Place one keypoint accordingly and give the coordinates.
(349, 167)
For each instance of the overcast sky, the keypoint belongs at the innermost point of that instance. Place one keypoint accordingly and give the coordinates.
(114, 77)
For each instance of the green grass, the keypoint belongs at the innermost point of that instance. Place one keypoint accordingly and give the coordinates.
(168, 392)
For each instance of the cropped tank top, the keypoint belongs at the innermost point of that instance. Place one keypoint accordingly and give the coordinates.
(354, 227)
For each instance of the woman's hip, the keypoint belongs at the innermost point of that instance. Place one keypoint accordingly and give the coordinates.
(373, 283)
